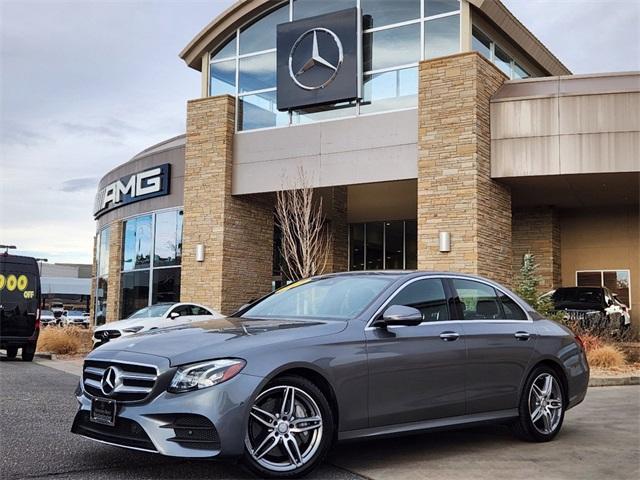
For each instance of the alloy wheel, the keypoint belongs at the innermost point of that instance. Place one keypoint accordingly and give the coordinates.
(285, 428)
(545, 403)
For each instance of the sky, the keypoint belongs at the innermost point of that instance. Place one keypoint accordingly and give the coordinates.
(87, 84)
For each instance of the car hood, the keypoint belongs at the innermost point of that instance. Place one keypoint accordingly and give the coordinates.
(218, 338)
(568, 305)
(146, 322)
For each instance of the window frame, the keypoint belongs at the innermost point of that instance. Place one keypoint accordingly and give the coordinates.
(602, 272)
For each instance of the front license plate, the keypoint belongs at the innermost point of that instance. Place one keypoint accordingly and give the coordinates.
(103, 411)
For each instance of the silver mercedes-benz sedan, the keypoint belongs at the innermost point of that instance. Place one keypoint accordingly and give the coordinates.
(330, 358)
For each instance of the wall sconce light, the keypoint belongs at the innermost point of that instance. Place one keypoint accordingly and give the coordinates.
(199, 253)
(445, 242)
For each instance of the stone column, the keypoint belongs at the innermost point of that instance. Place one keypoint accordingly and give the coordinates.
(94, 282)
(455, 191)
(237, 232)
(537, 231)
(115, 267)
(337, 216)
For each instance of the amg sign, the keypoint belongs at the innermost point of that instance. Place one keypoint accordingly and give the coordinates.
(134, 188)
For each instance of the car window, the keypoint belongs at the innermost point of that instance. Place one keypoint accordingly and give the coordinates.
(427, 296)
(182, 310)
(511, 309)
(200, 311)
(478, 301)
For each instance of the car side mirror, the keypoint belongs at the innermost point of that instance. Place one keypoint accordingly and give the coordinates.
(174, 315)
(609, 302)
(400, 315)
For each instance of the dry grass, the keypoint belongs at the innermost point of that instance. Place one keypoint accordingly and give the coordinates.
(606, 356)
(64, 340)
(591, 342)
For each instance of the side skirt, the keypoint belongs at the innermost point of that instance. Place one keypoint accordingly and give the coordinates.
(439, 423)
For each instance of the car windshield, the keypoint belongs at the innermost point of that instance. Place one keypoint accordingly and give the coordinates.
(75, 313)
(579, 295)
(46, 312)
(152, 311)
(338, 298)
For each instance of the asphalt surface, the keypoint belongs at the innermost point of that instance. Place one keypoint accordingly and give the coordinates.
(600, 439)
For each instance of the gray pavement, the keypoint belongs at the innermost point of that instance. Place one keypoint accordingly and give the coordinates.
(600, 440)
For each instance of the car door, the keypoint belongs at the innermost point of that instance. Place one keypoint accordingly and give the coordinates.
(499, 339)
(417, 372)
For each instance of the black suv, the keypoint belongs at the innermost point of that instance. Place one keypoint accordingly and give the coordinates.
(592, 307)
(19, 300)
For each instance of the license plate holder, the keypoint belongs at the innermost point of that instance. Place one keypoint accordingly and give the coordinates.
(103, 411)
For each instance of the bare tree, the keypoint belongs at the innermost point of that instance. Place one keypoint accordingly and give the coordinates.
(306, 241)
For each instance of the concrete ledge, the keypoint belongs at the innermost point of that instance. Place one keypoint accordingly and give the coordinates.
(614, 381)
(45, 355)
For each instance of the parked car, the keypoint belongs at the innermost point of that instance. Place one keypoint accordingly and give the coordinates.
(160, 315)
(341, 356)
(19, 301)
(593, 307)
(77, 317)
(47, 317)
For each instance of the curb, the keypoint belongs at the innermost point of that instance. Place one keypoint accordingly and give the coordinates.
(614, 381)
(46, 356)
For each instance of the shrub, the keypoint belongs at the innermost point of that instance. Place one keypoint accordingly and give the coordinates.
(606, 356)
(64, 340)
(527, 289)
(591, 342)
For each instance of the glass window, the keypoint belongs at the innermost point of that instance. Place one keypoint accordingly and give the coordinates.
(379, 12)
(166, 285)
(436, 7)
(261, 35)
(390, 90)
(481, 43)
(618, 281)
(375, 252)
(137, 243)
(442, 36)
(168, 241)
(135, 291)
(223, 78)
(519, 72)
(101, 301)
(411, 244)
(226, 51)
(260, 111)
(394, 245)
(427, 296)
(324, 112)
(511, 309)
(502, 60)
(589, 279)
(103, 252)
(392, 47)
(311, 8)
(356, 240)
(328, 297)
(257, 72)
(478, 301)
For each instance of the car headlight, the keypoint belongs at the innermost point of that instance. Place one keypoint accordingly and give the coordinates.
(133, 329)
(205, 374)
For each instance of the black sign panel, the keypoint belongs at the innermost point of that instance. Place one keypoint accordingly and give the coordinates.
(318, 60)
(150, 183)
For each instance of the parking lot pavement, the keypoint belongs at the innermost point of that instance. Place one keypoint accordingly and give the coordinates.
(36, 410)
(599, 440)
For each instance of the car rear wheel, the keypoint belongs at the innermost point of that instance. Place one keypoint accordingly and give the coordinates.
(290, 429)
(12, 352)
(28, 352)
(542, 407)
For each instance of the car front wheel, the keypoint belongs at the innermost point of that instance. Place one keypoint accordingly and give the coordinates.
(542, 406)
(28, 352)
(290, 429)
(12, 352)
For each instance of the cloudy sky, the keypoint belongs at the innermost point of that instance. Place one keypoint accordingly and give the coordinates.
(87, 84)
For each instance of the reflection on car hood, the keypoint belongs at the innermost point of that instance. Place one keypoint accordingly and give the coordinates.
(218, 338)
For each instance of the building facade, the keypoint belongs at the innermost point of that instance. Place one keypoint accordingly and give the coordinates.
(443, 119)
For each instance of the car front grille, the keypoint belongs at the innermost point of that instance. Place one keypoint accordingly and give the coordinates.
(191, 431)
(106, 335)
(134, 382)
(126, 432)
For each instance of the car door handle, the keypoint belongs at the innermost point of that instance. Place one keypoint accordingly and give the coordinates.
(449, 336)
(522, 336)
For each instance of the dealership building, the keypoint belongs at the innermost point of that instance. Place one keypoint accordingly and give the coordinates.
(440, 134)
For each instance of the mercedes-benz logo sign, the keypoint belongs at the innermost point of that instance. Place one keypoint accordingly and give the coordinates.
(320, 68)
(110, 380)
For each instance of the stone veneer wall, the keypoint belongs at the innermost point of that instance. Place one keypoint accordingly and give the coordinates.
(114, 278)
(455, 191)
(237, 232)
(537, 231)
(339, 255)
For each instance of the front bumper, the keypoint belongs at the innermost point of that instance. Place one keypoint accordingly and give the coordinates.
(203, 423)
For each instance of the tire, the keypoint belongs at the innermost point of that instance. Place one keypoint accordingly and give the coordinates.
(12, 352)
(269, 452)
(28, 352)
(538, 401)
